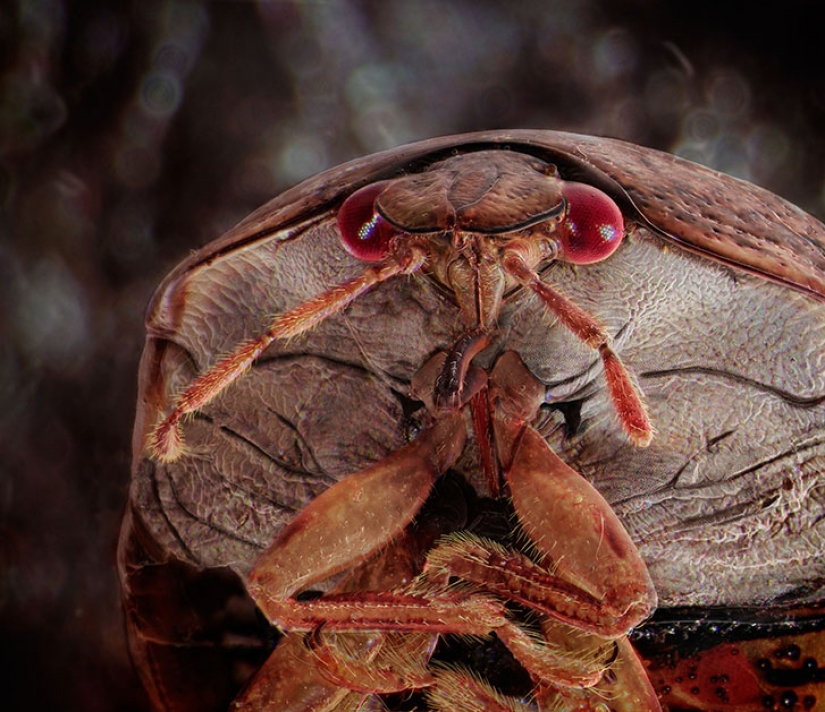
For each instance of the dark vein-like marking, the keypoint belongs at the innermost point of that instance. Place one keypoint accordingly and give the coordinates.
(231, 534)
(172, 528)
(786, 396)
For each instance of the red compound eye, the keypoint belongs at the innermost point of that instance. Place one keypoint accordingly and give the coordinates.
(365, 234)
(593, 227)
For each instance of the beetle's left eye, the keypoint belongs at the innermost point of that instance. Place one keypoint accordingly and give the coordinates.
(365, 234)
(593, 227)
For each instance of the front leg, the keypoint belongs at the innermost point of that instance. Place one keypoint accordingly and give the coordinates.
(599, 581)
(345, 526)
(626, 399)
(352, 520)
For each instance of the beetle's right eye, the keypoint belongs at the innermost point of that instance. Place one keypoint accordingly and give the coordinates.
(593, 227)
(365, 234)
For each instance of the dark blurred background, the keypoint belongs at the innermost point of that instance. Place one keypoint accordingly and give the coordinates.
(133, 132)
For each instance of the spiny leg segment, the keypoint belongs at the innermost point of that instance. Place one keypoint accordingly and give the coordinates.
(167, 443)
(626, 399)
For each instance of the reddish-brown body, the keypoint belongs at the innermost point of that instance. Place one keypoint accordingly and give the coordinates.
(479, 222)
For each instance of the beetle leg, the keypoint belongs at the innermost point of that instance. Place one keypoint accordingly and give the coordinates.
(289, 680)
(340, 670)
(166, 442)
(463, 690)
(626, 399)
(625, 687)
(375, 663)
(324, 675)
(597, 580)
(566, 656)
(563, 653)
(594, 601)
(628, 687)
(483, 429)
(353, 519)
(434, 611)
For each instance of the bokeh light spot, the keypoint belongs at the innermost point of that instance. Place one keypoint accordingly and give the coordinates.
(729, 93)
(301, 157)
(161, 93)
(51, 317)
(702, 126)
(614, 54)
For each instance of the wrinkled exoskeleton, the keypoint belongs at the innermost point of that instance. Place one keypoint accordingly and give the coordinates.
(486, 238)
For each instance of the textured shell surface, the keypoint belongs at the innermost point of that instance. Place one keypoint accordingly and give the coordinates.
(715, 303)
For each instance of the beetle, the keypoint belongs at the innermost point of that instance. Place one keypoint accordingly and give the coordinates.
(713, 514)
